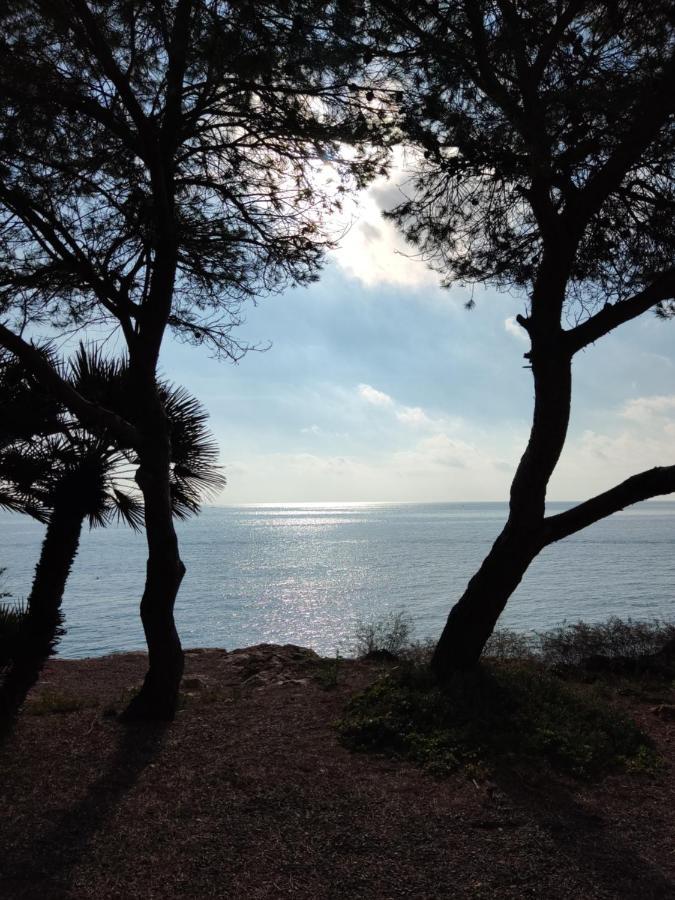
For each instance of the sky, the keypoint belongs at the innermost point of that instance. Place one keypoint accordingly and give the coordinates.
(380, 386)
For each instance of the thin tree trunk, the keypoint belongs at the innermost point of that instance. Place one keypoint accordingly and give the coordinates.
(40, 629)
(158, 696)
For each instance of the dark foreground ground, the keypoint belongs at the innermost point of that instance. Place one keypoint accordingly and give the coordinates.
(249, 795)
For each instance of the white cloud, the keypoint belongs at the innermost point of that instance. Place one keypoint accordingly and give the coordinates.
(460, 465)
(373, 396)
(439, 451)
(439, 467)
(643, 437)
(414, 416)
(372, 250)
(408, 454)
(317, 431)
(647, 409)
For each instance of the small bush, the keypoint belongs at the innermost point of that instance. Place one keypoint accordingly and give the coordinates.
(496, 714)
(563, 647)
(418, 653)
(569, 645)
(391, 634)
(504, 643)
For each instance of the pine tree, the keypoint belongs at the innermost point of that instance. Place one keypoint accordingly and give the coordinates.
(546, 133)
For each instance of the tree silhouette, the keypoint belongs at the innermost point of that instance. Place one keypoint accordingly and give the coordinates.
(11, 615)
(56, 471)
(548, 168)
(161, 163)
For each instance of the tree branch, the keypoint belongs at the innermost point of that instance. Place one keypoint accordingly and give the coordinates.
(615, 314)
(60, 244)
(651, 483)
(70, 96)
(551, 40)
(109, 66)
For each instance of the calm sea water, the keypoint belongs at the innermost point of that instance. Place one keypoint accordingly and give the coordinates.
(305, 573)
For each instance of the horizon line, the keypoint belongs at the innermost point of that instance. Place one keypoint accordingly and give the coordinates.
(221, 505)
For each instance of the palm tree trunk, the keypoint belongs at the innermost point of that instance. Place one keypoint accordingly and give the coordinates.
(41, 627)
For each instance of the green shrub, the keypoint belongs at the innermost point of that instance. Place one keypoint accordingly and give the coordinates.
(504, 643)
(565, 646)
(499, 713)
(391, 634)
(418, 653)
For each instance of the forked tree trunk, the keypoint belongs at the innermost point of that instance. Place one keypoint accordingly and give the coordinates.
(158, 696)
(40, 630)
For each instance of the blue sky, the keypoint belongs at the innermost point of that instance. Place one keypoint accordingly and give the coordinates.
(380, 385)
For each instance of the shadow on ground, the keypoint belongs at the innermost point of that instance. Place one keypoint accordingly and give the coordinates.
(46, 862)
(592, 842)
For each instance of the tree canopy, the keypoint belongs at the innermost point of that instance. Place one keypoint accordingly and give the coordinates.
(542, 123)
(132, 128)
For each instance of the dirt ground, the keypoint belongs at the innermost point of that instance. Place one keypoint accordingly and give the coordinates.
(248, 794)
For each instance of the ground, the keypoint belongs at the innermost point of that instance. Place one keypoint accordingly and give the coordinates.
(248, 794)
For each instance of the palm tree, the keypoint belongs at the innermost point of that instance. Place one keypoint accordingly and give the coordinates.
(63, 475)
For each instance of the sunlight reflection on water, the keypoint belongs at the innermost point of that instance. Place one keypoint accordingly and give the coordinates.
(304, 573)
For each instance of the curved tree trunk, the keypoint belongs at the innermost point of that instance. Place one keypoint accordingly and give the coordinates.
(158, 696)
(473, 618)
(40, 629)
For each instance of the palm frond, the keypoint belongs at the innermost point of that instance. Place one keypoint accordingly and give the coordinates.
(89, 367)
(196, 474)
(44, 449)
(14, 500)
(128, 509)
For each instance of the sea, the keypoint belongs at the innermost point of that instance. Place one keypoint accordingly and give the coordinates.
(309, 573)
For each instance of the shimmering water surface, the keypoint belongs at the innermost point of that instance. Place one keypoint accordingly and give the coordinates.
(304, 573)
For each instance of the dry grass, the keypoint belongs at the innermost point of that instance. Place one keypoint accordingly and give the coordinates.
(249, 795)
